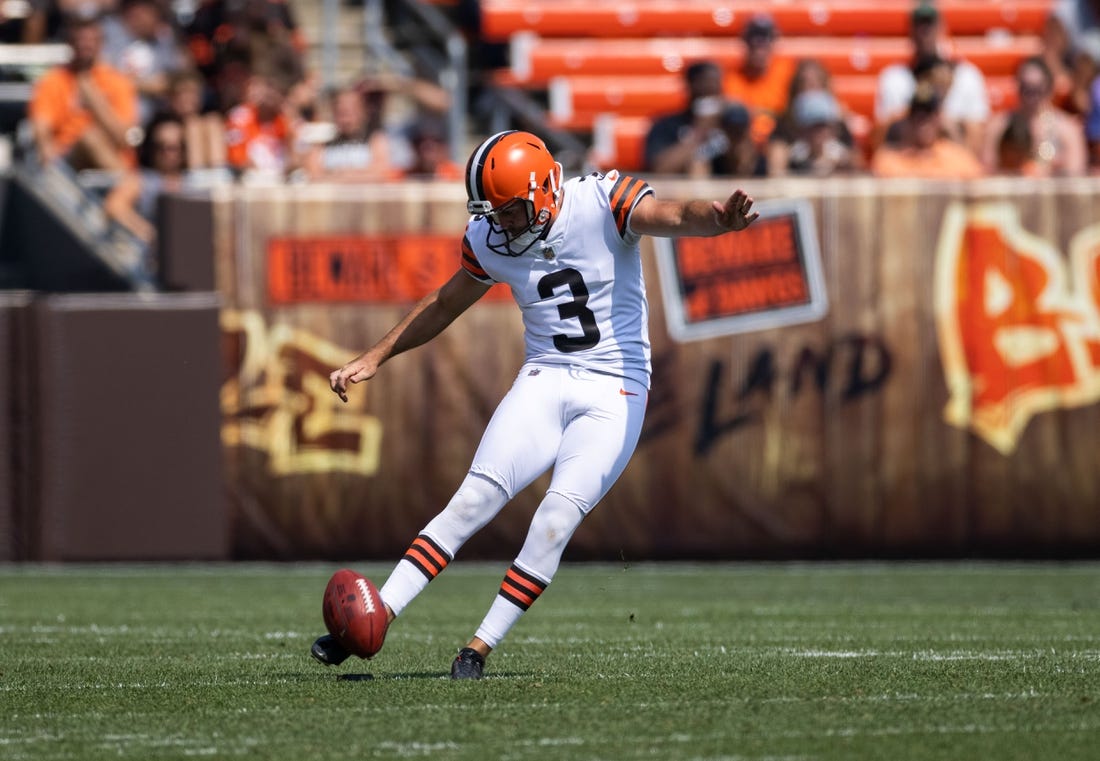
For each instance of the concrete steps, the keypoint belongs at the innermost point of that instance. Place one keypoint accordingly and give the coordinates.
(351, 53)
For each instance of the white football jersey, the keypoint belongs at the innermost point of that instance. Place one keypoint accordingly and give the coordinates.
(580, 290)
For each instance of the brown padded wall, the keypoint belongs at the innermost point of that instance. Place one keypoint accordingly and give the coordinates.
(128, 462)
(820, 439)
(14, 433)
(185, 242)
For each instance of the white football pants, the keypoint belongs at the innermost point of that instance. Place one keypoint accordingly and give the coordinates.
(582, 423)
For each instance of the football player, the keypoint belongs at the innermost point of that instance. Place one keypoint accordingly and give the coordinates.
(569, 252)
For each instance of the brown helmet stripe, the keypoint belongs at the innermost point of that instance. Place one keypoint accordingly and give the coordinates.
(475, 182)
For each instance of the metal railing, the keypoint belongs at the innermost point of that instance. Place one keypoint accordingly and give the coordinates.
(441, 48)
(437, 46)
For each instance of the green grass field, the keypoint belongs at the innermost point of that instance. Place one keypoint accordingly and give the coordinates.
(801, 661)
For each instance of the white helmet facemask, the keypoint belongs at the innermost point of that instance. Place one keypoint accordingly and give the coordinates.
(517, 244)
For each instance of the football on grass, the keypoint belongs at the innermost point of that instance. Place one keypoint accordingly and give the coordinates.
(354, 613)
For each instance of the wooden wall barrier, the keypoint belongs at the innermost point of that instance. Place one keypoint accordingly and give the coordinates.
(15, 540)
(109, 427)
(945, 405)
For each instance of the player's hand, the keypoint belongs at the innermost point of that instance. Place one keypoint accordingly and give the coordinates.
(358, 370)
(735, 214)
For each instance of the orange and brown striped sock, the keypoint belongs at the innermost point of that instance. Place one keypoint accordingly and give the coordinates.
(428, 557)
(426, 560)
(518, 592)
(521, 588)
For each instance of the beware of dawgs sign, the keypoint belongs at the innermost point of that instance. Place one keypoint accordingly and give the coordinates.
(766, 276)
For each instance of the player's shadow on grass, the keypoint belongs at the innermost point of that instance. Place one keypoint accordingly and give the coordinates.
(368, 677)
(360, 676)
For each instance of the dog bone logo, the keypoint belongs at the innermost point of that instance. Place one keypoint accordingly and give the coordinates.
(1018, 323)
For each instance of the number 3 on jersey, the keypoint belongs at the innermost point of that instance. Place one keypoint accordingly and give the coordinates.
(577, 308)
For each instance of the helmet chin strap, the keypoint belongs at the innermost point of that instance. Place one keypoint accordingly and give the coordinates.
(522, 242)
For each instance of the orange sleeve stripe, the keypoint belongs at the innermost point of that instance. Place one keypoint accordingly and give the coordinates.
(625, 193)
(472, 266)
(617, 190)
(627, 198)
(470, 262)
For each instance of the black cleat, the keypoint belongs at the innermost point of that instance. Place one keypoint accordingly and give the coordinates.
(328, 651)
(468, 664)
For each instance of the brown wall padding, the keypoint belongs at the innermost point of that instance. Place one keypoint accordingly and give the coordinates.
(830, 438)
(128, 464)
(185, 243)
(14, 430)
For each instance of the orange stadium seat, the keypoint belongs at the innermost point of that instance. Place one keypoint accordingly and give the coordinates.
(650, 18)
(638, 96)
(576, 101)
(618, 142)
(607, 68)
(534, 61)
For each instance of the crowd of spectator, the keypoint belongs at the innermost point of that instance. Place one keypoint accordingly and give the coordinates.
(159, 95)
(932, 114)
(166, 94)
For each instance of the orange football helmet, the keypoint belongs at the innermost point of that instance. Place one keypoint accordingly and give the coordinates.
(513, 168)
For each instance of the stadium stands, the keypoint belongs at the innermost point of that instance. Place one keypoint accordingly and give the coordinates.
(652, 18)
(536, 61)
(620, 134)
(605, 69)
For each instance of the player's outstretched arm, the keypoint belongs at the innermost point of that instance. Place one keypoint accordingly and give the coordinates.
(427, 319)
(670, 219)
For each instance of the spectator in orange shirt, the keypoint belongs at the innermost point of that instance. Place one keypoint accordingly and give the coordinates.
(763, 81)
(257, 134)
(922, 149)
(85, 112)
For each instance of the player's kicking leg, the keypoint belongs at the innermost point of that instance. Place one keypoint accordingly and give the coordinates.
(552, 526)
(473, 505)
(595, 449)
(328, 651)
